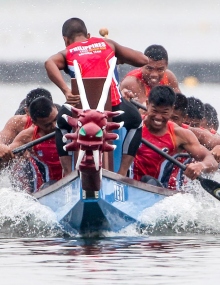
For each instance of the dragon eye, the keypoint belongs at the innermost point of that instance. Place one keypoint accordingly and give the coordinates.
(79, 124)
(99, 134)
(82, 132)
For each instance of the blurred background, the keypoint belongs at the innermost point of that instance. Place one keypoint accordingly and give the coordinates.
(30, 31)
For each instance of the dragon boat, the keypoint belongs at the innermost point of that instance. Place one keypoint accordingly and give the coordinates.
(94, 198)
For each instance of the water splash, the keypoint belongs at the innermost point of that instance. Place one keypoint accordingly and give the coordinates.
(21, 215)
(183, 214)
(194, 212)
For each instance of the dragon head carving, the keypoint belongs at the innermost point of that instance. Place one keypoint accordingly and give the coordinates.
(92, 131)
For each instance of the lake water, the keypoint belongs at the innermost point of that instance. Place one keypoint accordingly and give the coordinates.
(180, 247)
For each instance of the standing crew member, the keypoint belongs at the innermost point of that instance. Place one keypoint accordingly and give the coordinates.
(94, 56)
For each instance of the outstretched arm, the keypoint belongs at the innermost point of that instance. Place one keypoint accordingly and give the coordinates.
(128, 55)
(205, 162)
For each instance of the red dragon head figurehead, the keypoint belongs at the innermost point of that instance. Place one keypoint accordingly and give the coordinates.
(91, 131)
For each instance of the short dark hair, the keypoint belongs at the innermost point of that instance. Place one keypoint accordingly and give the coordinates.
(181, 103)
(156, 52)
(73, 27)
(211, 116)
(40, 108)
(162, 95)
(196, 109)
(21, 108)
(36, 93)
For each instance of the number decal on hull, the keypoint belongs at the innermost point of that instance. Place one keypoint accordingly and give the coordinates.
(119, 192)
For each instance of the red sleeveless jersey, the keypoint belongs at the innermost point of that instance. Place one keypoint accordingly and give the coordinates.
(46, 153)
(28, 122)
(147, 161)
(138, 74)
(94, 56)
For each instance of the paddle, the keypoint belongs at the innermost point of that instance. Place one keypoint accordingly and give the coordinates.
(33, 143)
(211, 186)
(137, 104)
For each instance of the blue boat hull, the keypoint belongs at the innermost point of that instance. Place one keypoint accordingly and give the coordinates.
(118, 203)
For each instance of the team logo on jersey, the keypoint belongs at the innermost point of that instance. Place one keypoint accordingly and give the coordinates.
(165, 149)
(40, 153)
(89, 48)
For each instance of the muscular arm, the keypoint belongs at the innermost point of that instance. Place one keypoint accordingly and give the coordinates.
(187, 140)
(131, 83)
(22, 138)
(206, 138)
(210, 141)
(173, 81)
(53, 65)
(13, 127)
(128, 55)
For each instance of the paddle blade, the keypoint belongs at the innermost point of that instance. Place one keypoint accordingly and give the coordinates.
(211, 186)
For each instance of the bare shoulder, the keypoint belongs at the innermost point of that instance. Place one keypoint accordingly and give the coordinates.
(129, 79)
(59, 59)
(173, 82)
(15, 123)
(111, 43)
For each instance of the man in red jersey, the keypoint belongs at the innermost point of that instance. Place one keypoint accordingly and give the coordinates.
(18, 123)
(166, 135)
(195, 112)
(44, 156)
(208, 138)
(138, 82)
(94, 56)
(210, 119)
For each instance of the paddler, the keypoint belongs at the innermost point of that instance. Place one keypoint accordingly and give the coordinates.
(94, 56)
(208, 138)
(138, 82)
(18, 123)
(160, 131)
(44, 157)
